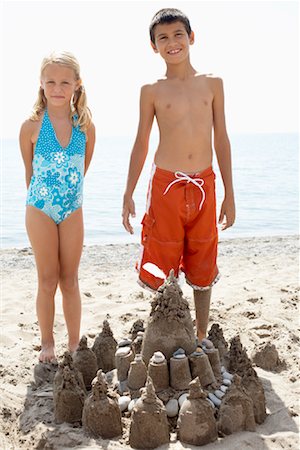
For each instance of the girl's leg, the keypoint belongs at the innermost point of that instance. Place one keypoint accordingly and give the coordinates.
(70, 249)
(43, 235)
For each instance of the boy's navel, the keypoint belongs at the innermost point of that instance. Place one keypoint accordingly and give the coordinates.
(168, 105)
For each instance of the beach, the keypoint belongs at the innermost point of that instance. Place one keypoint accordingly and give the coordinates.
(256, 298)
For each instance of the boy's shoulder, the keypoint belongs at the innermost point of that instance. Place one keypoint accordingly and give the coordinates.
(211, 78)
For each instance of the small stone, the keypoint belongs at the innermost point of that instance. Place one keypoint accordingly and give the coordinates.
(131, 404)
(207, 343)
(210, 402)
(124, 402)
(124, 342)
(216, 401)
(226, 382)
(172, 408)
(158, 357)
(180, 351)
(197, 353)
(179, 356)
(182, 399)
(123, 351)
(227, 376)
(219, 394)
(224, 388)
(223, 369)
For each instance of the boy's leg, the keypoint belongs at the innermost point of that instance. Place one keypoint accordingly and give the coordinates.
(43, 235)
(202, 304)
(70, 249)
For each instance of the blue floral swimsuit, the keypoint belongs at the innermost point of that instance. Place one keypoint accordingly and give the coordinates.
(56, 185)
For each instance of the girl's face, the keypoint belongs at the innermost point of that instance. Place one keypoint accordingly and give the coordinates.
(59, 84)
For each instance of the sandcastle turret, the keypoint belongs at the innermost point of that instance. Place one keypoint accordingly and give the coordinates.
(216, 336)
(240, 363)
(137, 375)
(236, 410)
(105, 348)
(85, 361)
(67, 361)
(180, 374)
(254, 387)
(149, 426)
(68, 399)
(170, 324)
(101, 415)
(196, 421)
(158, 372)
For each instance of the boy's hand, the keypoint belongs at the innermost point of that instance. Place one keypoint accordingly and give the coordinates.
(128, 210)
(227, 213)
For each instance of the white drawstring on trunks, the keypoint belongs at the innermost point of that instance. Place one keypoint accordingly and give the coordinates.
(181, 176)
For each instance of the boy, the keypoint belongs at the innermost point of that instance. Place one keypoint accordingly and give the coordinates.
(179, 227)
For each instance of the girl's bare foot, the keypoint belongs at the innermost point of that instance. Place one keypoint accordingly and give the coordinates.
(47, 354)
(72, 346)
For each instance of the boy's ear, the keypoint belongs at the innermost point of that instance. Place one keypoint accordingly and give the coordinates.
(192, 38)
(154, 47)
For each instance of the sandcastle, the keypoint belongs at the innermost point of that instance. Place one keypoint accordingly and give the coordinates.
(170, 324)
(105, 348)
(101, 415)
(163, 378)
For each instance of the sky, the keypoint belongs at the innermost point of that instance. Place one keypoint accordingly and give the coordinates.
(251, 45)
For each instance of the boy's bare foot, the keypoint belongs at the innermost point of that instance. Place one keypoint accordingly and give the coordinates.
(47, 354)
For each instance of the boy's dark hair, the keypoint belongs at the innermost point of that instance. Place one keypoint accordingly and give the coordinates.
(168, 15)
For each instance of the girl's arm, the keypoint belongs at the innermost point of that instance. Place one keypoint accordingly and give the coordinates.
(26, 146)
(90, 144)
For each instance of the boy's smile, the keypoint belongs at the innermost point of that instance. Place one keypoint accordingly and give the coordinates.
(172, 41)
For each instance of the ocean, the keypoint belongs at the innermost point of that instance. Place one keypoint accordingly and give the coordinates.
(265, 170)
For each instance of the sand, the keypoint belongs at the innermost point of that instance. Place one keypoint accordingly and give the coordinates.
(256, 297)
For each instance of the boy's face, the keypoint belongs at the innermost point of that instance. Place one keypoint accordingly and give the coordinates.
(172, 42)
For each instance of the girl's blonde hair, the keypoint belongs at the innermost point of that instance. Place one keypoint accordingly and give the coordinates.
(79, 101)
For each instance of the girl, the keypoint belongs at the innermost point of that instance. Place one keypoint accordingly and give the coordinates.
(57, 144)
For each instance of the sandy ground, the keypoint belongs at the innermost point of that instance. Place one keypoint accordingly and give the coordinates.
(257, 298)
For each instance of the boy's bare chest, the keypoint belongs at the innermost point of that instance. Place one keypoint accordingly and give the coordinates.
(174, 104)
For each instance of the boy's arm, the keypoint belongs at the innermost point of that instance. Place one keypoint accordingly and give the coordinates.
(89, 148)
(139, 153)
(26, 146)
(223, 152)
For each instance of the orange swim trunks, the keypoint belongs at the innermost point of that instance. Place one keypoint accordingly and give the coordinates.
(179, 228)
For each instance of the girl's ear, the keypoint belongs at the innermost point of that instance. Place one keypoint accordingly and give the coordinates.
(78, 84)
(192, 38)
(154, 47)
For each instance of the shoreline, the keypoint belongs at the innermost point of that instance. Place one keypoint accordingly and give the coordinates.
(222, 238)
